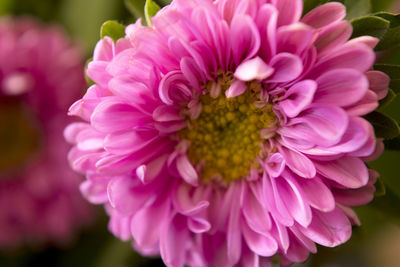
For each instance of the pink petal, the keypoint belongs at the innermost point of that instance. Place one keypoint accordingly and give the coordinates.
(267, 23)
(245, 38)
(186, 170)
(121, 143)
(328, 229)
(348, 171)
(355, 56)
(234, 237)
(289, 11)
(298, 97)
(378, 82)
(237, 88)
(323, 125)
(287, 68)
(173, 241)
(146, 173)
(333, 36)
(275, 165)
(112, 115)
(298, 163)
(147, 223)
(256, 215)
(124, 197)
(185, 204)
(167, 114)
(253, 69)
(322, 201)
(324, 15)
(294, 200)
(104, 50)
(341, 87)
(294, 38)
(263, 245)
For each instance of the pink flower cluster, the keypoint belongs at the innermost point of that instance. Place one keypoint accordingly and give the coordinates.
(172, 104)
(40, 75)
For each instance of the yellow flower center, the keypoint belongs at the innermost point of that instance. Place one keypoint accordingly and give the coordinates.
(227, 137)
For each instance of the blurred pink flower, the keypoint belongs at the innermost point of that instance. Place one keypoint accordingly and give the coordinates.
(41, 73)
(230, 131)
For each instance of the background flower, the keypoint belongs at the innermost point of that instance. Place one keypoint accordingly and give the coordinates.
(40, 74)
(209, 134)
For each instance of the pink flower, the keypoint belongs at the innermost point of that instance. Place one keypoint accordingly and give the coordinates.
(40, 75)
(231, 131)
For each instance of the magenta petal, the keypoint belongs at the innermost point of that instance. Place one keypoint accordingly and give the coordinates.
(341, 87)
(147, 223)
(267, 21)
(263, 245)
(287, 68)
(256, 215)
(355, 137)
(294, 200)
(111, 116)
(275, 201)
(121, 143)
(348, 171)
(366, 105)
(253, 69)
(104, 50)
(322, 201)
(186, 170)
(333, 36)
(184, 203)
(173, 241)
(275, 165)
(237, 88)
(355, 56)
(298, 97)
(289, 11)
(198, 225)
(319, 121)
(294, 38)
(378, 82)
(124, 197)
(328, 229)
(146, 173)
(298, 163)
(324, 15)
(245, 38)
(234, 237)
(167, 114)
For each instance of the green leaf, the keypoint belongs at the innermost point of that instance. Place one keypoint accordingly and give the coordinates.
(388, 99)
(380, 189)
(112, 29)
(384, 126)
(394, 73)
(391, 38)
(370, 25)
(136, 7)
(388, 205)
(150, 10)
(392, 144)
(357, 8)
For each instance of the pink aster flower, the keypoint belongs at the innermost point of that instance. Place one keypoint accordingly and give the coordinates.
(40, 75)
(230, 131)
